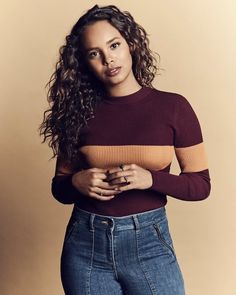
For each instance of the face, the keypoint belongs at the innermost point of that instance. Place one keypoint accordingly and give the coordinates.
(108, 54)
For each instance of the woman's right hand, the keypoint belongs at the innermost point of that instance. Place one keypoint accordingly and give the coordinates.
(92, 183)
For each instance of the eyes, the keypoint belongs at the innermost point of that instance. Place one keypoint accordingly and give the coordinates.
(93, 54)
(115, 45)
(96, 52)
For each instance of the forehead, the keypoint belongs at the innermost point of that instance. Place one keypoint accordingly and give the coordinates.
(98, 33)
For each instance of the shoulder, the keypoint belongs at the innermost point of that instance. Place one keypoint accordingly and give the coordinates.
(170, 97)
(170, 100)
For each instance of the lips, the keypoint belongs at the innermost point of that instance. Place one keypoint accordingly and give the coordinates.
(113, 71)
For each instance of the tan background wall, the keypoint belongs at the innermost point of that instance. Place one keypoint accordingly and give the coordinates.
(197, 44)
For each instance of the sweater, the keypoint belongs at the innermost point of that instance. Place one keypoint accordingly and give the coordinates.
(146, 128)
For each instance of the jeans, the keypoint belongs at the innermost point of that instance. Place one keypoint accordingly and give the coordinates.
(131, 255)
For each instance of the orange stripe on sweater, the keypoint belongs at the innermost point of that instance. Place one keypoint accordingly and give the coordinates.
(193, 158)
(146, 156)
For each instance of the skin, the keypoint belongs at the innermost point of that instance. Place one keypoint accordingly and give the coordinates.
(106, 49)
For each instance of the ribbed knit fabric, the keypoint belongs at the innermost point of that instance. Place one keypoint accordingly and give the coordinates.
(146, 128)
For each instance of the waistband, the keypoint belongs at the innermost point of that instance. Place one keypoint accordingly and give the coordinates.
(134, 221)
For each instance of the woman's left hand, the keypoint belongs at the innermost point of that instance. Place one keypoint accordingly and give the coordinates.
(130, 176)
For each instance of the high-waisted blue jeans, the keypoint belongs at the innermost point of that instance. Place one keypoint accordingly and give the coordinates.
(131, 255)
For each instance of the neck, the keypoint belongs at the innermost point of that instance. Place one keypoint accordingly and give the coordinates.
(122, 90)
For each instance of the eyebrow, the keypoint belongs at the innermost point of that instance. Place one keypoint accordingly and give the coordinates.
(108, 42)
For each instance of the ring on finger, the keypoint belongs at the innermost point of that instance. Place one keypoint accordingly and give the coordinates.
(126, 180)
(122, 168)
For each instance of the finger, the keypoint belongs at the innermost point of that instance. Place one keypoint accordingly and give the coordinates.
(108, 185)
(100, 175)
(121, 175)
(94, 169)
(101, 198)
(121, 167)
(126, 187)
(103, 184)
(106, 192)
(120, 181)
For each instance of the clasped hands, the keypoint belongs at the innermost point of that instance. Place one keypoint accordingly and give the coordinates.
(105, 184)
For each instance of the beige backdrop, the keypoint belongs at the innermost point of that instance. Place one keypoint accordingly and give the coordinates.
(197, 44)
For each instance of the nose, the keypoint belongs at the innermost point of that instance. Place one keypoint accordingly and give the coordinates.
(107, 59)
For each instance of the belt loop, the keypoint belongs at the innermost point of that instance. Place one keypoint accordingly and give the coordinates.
(91, 220)
(112, 221)
(136, 222)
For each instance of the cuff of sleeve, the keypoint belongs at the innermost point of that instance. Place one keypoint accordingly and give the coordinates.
(63, 189)
(165, 183)
(157, 180)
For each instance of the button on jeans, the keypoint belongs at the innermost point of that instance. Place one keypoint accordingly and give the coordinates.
(131, 255)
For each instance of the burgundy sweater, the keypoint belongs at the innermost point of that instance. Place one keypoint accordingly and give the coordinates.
(146, 128)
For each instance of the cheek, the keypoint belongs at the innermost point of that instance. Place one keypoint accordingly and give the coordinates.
(127, 58)
(94, 67)
(127, 55)
(97, 70)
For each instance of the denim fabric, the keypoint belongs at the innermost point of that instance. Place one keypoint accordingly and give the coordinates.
(132, 255)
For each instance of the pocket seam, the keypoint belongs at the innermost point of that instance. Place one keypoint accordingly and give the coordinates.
(162, 239)
(67, 236)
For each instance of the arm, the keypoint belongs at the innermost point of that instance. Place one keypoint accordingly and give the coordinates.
(193, 183)
(62, 187)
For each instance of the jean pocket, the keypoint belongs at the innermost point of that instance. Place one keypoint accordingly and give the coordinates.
(164, 237)
(70, 229)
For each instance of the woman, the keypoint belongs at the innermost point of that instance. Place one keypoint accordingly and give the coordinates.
(114, 136)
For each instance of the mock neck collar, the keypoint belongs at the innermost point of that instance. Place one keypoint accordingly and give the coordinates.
(130, 98)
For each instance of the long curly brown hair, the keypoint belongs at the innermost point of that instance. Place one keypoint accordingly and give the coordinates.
(74, 92)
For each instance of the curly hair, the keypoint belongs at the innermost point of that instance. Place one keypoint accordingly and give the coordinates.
(74, 92)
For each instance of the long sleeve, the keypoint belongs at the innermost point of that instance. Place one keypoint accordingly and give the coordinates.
(193, 183)
(63, 190)
(191, 186)
(61, 187)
